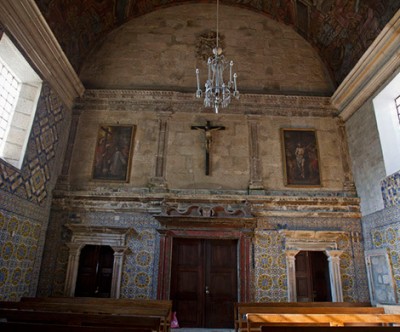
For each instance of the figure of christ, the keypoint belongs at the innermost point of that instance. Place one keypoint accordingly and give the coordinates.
(208, 129)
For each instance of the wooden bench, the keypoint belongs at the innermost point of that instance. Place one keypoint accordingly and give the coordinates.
(330, 329)
(256, 321)
(89, 311)
(27, 317)
(241, 309)
(43, 327)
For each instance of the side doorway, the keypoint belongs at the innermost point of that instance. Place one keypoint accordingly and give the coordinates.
(204, 282)
(95, 271)
(312, 277)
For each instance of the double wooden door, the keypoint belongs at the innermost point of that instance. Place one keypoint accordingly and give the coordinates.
(95, 271)
(204, 282)
(312, 277)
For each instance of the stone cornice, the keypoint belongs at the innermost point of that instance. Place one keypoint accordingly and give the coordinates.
(28, 27)
(376, 66)
(145, 100)
(258, 205)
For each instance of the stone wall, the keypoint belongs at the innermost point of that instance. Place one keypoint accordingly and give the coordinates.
(167, 172)
(162, 49)
(248, 150)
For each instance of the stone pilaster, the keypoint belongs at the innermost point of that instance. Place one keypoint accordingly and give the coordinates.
(334, 274)
(158, 183)
(255, 184)
(348, 183)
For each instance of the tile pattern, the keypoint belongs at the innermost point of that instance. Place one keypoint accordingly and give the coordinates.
(139, 275)
(25, 200)
(19, 238)
(139, 279)
(390, 187)
(270, 259)
(31, 182)
(383, 232)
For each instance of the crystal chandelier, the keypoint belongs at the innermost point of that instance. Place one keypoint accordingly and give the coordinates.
(217, 93)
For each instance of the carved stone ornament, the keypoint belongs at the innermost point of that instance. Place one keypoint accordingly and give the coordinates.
(207, 210)
(206, 42)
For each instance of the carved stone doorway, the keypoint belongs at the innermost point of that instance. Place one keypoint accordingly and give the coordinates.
(83, 235)
(325, 241)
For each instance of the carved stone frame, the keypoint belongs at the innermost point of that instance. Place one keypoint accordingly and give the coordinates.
(95, 235)
(325, 241)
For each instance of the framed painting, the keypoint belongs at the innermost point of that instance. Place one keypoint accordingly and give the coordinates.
(113, 154)
(300, 157)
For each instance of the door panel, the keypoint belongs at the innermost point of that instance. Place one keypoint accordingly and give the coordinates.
(95, 271)
(204, 282)
(312, 277)
(186, 281)
(221, 280)
(303, 277)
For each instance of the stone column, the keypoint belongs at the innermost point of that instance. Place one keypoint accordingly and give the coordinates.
(158, 182)
(348, 183)
(291, 274)
(334, 274)
(119, 252)
(255, 184)
(72, 269)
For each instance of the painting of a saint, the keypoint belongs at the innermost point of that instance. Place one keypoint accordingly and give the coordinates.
(300, 154)
(113, 153)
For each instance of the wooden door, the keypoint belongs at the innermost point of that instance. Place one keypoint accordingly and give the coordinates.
(312, 277)
(204, 282)
(95, 271)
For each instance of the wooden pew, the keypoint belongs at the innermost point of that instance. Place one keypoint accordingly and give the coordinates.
(256, 321)
(242, 308)
(330, 329)
(26, 317)
(42, 327)
(160, 310)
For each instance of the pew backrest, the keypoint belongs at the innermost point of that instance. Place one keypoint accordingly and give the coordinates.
(256, 321)
(242, 308)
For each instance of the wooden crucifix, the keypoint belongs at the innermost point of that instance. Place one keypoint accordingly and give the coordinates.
(208, 129)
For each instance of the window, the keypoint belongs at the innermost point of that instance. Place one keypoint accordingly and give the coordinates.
(19, 93)
(397, 102)
(386, 105)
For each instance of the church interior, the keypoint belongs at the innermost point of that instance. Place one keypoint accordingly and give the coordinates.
(123, 174)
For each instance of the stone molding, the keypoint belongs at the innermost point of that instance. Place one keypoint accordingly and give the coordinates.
(28, 27)
(254, 205)
(376, 66)
(152, 100)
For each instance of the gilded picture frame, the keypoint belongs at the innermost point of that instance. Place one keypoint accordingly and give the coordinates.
(300, 157)
(113, 153)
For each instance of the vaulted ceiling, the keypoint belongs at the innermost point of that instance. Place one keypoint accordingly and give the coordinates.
(340, 30)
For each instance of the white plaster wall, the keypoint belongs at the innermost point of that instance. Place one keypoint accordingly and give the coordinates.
(366, 158)
(158, 51)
